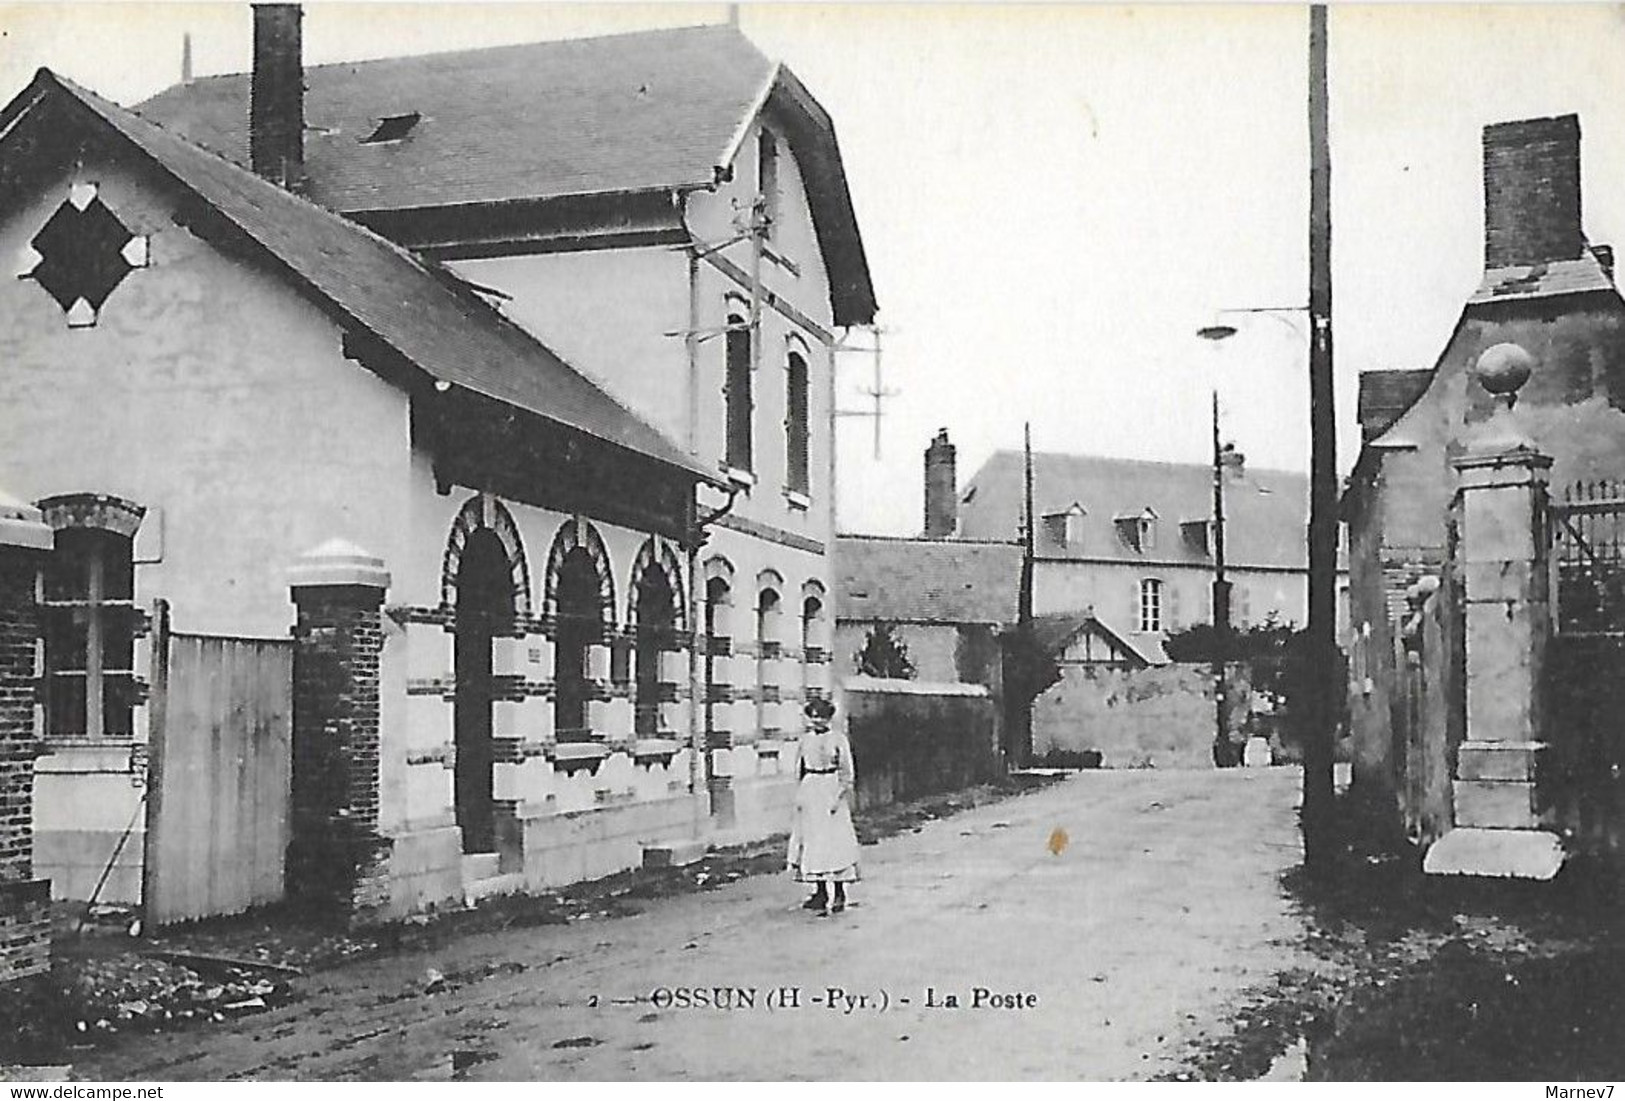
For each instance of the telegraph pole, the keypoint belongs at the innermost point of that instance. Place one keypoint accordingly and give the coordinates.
(1221, 606)
(1319, 821)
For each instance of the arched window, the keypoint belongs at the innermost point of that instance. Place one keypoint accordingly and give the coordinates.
(655, 615)
(737, 390)
(796, 435)
(1150, 605)
(768, 649)
(579, 626)
(812, 615)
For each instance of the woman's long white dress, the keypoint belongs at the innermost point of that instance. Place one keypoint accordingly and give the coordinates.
(823, 844)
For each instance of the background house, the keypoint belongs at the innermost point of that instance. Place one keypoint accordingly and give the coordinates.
(1130, 541)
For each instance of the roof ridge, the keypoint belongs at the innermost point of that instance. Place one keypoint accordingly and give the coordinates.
(949, 541)
(473, 51)
(1121, 460)
(109, 112)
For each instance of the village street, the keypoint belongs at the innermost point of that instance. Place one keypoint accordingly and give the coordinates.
(1160, 908)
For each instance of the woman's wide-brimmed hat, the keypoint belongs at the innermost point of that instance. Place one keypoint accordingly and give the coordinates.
(819, 708)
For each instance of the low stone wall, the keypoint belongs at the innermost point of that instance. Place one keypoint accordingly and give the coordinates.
(1157, 717)
(914, 738)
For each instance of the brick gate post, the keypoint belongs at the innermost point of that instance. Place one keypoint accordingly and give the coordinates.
(337, 860)
(25, 902)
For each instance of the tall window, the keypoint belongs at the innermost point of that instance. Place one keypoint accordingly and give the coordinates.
(795, 424)
(1150, 605)
(579, 626)
(718, 645)
(812, 611)
(768, 648)
(737, 391)
(89, 635)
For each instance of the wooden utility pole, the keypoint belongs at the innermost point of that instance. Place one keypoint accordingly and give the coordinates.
(1319, 812)
(1221, 606)
(1019, 713)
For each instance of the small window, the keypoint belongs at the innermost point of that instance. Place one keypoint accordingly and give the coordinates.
(392, 128)
(767, 178)
(1150, 605)
(737, 392)
(797, 461)
(89, 619)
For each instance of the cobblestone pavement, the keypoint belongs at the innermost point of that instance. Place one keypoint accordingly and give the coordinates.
(1116, 915)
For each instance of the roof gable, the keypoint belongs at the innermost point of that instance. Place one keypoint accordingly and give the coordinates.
(653, 111)
(416, 308)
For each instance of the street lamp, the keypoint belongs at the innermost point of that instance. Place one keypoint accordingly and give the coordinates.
(1221, 587)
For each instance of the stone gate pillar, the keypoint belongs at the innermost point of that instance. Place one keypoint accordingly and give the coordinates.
(337, 860)
(1502, 559)
(25, 902)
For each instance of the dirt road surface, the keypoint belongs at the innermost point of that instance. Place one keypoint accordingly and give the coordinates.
(1124, 943)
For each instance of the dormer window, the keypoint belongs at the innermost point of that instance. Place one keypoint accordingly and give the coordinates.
(1198, 534)
(392, 128)
(1138, 530)
(1065, 528)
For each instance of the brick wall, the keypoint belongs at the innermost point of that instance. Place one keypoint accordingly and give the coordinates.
(18, 632)
(336, 858)
(1532, 192)
(25, 929)
(25, 903)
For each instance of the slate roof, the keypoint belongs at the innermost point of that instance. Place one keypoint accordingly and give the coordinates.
(414, 306)
(1266, 511)
(1385, 395)
(656, 110)
(939, 581)
(1543, 280)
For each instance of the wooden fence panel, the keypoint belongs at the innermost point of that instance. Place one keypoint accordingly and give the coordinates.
(221, 767)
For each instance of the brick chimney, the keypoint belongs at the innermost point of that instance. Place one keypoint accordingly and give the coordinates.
(1532, 192)
(276, 98)
(941, 488)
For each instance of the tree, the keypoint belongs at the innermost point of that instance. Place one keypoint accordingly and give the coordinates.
(884, 654)
(1280, 660)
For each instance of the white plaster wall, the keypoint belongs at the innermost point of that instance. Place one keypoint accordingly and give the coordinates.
(1113, 591)
(210, 392)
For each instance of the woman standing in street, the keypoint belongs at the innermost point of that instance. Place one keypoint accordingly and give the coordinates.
(823, 844)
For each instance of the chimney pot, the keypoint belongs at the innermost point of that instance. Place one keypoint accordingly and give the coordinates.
(941, 488)
(276, 96)
(1532, 192)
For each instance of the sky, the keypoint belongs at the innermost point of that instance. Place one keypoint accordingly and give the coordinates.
(1054, 198)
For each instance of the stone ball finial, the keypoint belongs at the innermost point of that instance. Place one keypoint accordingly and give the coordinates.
(1502, 369)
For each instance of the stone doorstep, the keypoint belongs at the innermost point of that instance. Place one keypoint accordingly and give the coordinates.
(1495, 804)
(1504, 854)
(1516, 761)
(674, 854)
